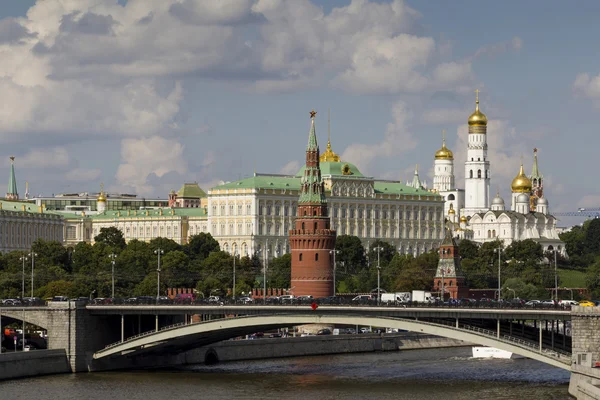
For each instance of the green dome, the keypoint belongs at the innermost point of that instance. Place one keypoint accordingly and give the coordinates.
(336, 168)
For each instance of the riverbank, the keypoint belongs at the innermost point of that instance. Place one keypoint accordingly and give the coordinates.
(45, 362)
(33, 363)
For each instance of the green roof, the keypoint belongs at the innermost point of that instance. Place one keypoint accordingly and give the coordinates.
(336, 168)
(264, 182)
(293, 183)
(390, 187)
(166, 212)
(191, 190)
(30, 207)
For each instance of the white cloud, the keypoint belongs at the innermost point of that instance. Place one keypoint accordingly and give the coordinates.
(496, 49)
(54, 157)
(398, 139)
(83, 174)
(588, 86)
(290, 168)
(142, 157)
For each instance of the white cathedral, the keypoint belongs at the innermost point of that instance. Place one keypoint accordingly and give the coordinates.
(529, 215)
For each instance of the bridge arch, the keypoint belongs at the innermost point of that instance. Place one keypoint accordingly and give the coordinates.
(185, 337)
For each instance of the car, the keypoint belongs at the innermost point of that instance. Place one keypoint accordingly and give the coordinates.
(586, 303)
(307, 299)
(60, 298)
(245, 300)
(350, 331)
(215, 300)
(549, 303)
(361, 299)
(324, 331)
(533, 303)
(287, 299)
(568, 302)
(364, 329)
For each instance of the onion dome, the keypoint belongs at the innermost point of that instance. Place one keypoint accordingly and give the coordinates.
(498, 201)
(522, 198)
(451, 210)
(329, 155)
(102, 196)
(444, 153)
(477, 121)
(463, 219)
(542, 201)
(521, 183)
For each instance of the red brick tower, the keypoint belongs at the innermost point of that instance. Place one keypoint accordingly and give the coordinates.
(311, 240)
(449, 271)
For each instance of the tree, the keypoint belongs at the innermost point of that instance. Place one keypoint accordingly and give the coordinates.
(468, 249)
(166, 245)
(112, 237)
(351, 254)
(176, 272)
(50, 253)
(56, 288)
(521, 289)
(385, 255)
(592, 278)
(82, 255)
(218, 266)
(279, 273)
(591, 242)
(148, 287)
(201, 245)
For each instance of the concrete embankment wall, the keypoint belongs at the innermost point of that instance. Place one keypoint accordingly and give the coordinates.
(584, 383)
(236, 350)
(33, 363)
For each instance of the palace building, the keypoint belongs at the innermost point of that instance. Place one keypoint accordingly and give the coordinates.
(254, 215)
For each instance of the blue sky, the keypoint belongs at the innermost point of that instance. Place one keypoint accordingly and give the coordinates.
(144, 95)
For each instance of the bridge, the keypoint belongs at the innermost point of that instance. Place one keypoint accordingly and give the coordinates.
(115, 336)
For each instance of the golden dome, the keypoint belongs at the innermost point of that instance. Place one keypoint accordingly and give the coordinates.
(102, 195)
(521, 183)
(463, 218)
(329, 155)
(444, 153)
(451, 210)
(477, 118)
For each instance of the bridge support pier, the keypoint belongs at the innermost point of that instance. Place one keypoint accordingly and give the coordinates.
(122, 327)
(156, 323)
(498, 328)
(457, 322)
(540, 336)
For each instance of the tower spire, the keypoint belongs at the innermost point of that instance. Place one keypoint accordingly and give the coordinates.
(12, 193)
(416, 183)
(535, 173)
(312, 136)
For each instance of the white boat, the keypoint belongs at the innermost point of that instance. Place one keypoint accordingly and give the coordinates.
(492, 352)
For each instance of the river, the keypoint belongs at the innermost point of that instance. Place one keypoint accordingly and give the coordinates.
(418, 374)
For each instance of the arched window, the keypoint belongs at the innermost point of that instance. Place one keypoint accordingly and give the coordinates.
(450, 284)
(316, 256)
(451, 197)
(305, 213)
(303, 226)
(479, 173)
(470, 173)
(315, 213)
(489, 233)
(300, 257)
(494, 233)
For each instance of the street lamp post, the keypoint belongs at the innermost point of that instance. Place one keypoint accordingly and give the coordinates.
(555, 276)
(234, 255)
(378, 248)
(23, 259)
(33, 256)
(570, 290)
(334, 252)
(499, 251)
(112, 256)
(265, 274)
(512, 290)
(158, 252)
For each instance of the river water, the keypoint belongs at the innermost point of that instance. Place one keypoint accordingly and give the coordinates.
(415, 375)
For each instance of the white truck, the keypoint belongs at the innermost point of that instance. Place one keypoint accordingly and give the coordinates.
(421, 296)
(396, 298)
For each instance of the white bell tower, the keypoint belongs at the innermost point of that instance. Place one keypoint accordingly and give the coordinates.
(477, 166)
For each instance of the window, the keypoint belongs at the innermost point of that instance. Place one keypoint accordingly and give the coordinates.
(303, 226)
(451, 197)
(316, 256)
(470, 173)
(300, 257)
(315, 226)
